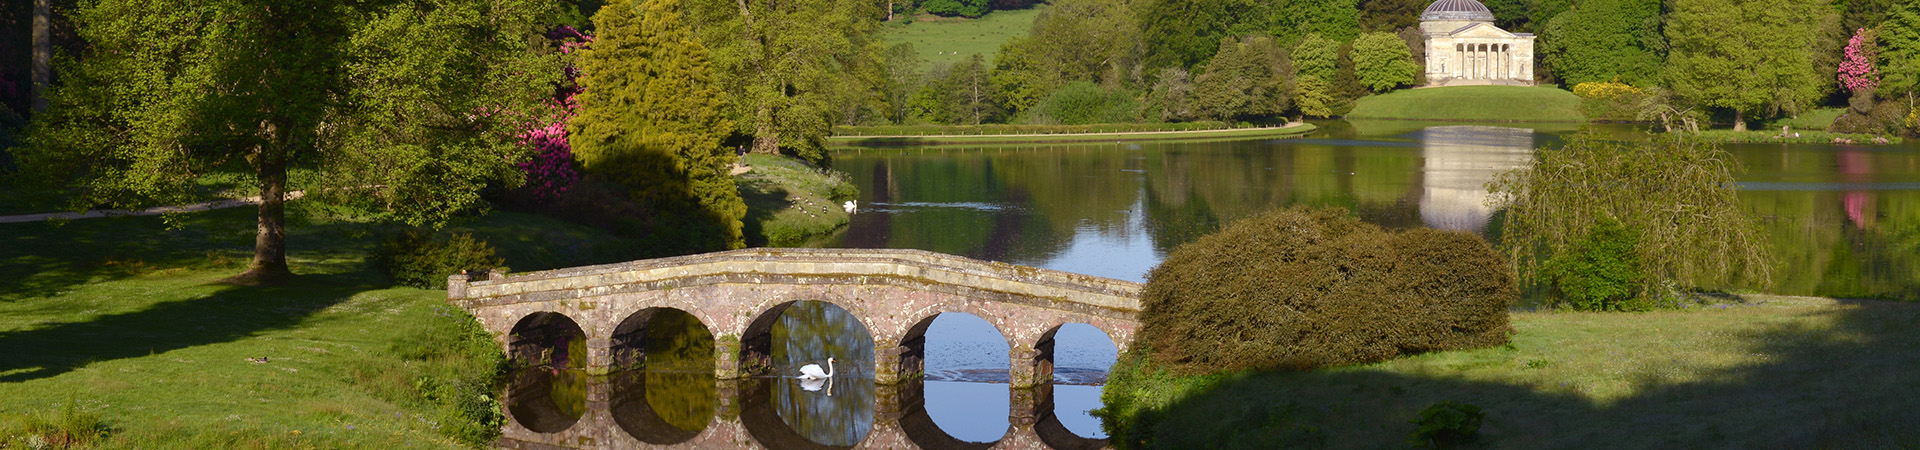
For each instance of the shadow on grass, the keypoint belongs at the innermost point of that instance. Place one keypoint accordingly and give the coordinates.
(1843, 385)
(230, 313)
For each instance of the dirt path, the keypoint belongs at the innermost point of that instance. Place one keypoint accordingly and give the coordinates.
(154, 211)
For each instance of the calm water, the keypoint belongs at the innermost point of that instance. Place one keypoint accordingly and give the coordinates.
(1843, 222)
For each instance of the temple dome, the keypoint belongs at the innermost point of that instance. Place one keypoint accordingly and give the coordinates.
(1457, 10)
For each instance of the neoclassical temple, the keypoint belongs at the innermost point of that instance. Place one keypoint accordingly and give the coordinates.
(1464, 48)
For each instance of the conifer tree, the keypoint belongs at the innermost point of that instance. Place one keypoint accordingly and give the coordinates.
(652, 118)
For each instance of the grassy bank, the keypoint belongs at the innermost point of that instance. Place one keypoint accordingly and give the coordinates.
(1766, 373)
(1800, 136)
(1472, 103)
(941, 40)
(790, 202)
(120, 332)
(1147, 133)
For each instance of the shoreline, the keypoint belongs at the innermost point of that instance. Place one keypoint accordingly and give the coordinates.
(1293, 130)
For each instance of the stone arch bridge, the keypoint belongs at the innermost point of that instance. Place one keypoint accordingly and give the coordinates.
(739, 294)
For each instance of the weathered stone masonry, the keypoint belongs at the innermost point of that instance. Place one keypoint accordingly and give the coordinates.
(739, 294)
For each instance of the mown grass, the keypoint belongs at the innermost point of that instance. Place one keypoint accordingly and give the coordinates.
(1819, 119)
(129, 322)
(941, 40)
(790, 202)
(1769, 372)
(1472, 103)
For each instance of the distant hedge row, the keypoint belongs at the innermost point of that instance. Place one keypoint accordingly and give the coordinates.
(1301, 288)
(963, 130)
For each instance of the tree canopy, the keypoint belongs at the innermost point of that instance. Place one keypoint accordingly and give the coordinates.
(788, 64)
(1749, 57)
(171, 90)
(1606, 40)
(1383, 62)
(652, 118)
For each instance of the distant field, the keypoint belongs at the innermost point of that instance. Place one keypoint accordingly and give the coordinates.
(949, 40)
(1473, 103)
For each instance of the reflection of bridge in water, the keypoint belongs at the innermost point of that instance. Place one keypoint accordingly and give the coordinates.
(617, 414)
(739, 295)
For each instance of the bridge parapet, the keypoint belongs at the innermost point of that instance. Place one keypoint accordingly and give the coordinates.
(737, 294)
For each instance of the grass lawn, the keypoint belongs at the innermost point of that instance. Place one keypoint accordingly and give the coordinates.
(127, 325)
(950, 40)
(1472, 103)
(1819, 119)
(1807, 136)
(790, 202)
(1771, 372)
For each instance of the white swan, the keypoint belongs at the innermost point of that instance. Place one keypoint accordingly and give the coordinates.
(812, 371)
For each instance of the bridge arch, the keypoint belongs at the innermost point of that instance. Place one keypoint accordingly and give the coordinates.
(629, 341)
(891, 292)
(544, 337)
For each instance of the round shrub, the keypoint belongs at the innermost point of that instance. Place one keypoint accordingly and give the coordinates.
(1602, 271)
(1301, 288)
(422, 259)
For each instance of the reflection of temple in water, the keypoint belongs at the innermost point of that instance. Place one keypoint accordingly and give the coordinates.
(1460, 160)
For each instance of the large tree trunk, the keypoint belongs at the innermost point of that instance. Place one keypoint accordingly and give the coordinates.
(766, 138)
(1739, 120)
(42, 53)
(270, 239)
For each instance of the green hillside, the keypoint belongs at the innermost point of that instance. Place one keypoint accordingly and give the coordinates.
(1473, 103)
(951, 39)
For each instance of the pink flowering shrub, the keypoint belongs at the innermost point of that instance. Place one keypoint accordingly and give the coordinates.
(1856, 69)
(551, 171)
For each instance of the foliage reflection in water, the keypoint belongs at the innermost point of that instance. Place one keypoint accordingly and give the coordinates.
(809, 332)
(1844, 221)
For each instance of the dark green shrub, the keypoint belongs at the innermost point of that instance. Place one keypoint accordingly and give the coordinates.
(1301, 288)
(423, 259)
(1081, 103)
(1602, 271)
(1446, 424)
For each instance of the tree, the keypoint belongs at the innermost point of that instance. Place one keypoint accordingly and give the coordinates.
(1183, 33)
(1382, 61)
(1389, 15)
(1747, 56)
(1172, 96)
(784, 64)
(950, 8)
(652, 118)
(1334, 19)
(1072, 40)
(1245, 79)
(1677, 195)
(1314, 96)
(363, 93)
(1317, 56)
(959, 94)
(903, 80)
(42, 53)
(1900, 51)
(1606, 40)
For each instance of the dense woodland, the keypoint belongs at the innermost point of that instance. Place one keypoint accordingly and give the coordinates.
(419, 111)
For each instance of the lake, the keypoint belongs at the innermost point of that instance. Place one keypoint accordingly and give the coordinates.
(1843, 221)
